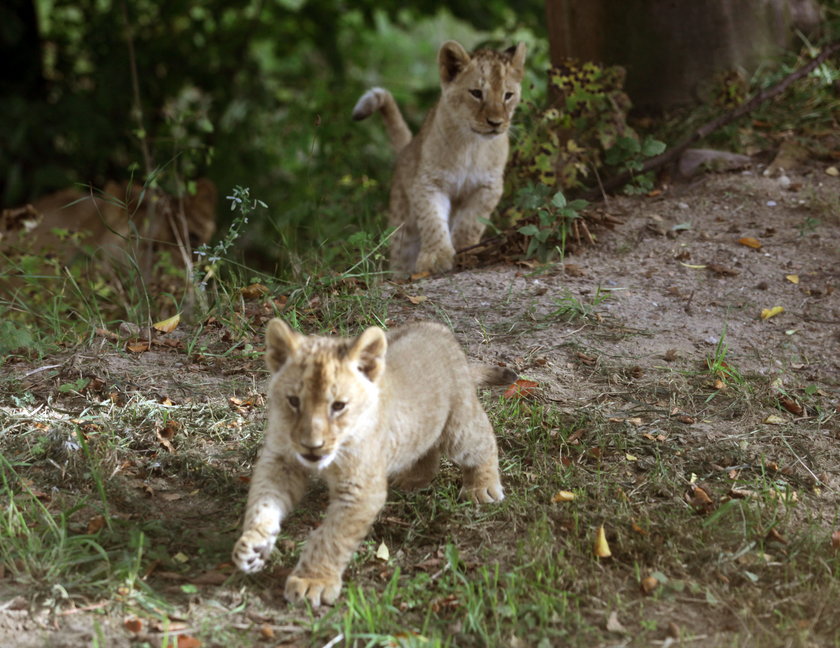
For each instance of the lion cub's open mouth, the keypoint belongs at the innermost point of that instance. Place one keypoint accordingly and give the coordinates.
(312, 460)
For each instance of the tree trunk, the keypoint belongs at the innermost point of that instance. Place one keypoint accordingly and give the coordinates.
(671, 47)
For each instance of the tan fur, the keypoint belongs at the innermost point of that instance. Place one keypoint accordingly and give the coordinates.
(452, 173)
(386, 428)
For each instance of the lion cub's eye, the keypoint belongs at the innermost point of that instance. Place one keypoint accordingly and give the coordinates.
(476, 93)
(294, 401)
(337, 406)
(508, 96)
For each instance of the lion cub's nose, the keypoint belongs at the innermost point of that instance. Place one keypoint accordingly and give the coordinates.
(313, 445)
(495, 123)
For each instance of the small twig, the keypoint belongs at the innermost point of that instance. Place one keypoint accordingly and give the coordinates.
(718, 122)
(40, 369)
(332, 642)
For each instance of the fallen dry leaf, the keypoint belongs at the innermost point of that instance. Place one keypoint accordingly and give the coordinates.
(699, 498)
(416, 300)
(602, 547)
(420, 275)
(585, 359)
(169, 324)
(774, 419)
(266, 631)
(187, 641)
(833, 171)
(742, 493)
(521, 389)
(574, 437)
(137, 347)
(164, 441)
(253, 291)
(382, 552)
(563, 496)
(720, 270)
(614, 625)
(791, 405)
(794, 279)
(107, 334)
(767, 313)
(133, 624)
(95, 524)
(750, 242)
(776, 536)
(835, 540)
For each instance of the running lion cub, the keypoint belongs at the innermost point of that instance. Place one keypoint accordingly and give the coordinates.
(361, 412)
(451, 175)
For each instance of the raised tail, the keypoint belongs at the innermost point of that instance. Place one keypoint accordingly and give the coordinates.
(382, 100)
(488, 376)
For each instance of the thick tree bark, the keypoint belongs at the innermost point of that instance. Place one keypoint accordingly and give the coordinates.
(670, 47)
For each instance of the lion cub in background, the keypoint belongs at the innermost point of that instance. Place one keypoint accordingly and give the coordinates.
(451, 175)
(360, 412)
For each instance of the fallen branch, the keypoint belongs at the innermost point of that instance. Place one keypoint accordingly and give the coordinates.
(710, 127)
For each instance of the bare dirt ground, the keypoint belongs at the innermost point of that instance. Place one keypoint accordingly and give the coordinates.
(625, 331)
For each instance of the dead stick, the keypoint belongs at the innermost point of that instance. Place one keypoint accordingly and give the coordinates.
(718, 122)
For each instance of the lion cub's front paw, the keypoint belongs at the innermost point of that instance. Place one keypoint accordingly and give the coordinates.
(434, 261)
(251, 551)
(483, 494)
(315, 590)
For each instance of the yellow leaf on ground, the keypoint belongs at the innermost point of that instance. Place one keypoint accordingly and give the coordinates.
(382, 552)
(602, 547)
(794, 279)
(630, 457)
(833, 171)
(137, 347)
(417, 300)
(767, 313)
(751, 242)
(774, 419)
(563, 496)
(253, 291)
(168, 325)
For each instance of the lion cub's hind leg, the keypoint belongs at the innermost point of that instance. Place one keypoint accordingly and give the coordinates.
(469, 441)
(421, 474)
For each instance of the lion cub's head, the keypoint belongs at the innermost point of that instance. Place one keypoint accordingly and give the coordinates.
(323, 390)
(483, 89)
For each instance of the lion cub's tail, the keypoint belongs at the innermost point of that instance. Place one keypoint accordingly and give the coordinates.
(488, 376)
(382, 100)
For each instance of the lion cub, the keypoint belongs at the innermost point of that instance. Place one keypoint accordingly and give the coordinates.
(451, 175)
(360, 412)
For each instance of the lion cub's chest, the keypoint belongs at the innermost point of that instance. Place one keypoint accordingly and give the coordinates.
(464, 173)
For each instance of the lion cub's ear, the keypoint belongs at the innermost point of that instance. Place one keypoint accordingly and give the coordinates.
(280, 343)
(368, 352)
(452, 59)
(517, 57)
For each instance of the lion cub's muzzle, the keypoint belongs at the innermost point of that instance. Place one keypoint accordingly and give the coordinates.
(314, 454)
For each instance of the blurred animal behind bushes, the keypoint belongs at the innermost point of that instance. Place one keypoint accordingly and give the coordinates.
(123, 226)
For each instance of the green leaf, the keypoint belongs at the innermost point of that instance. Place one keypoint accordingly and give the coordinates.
(651, 147)
(559, 200)
(528, 230)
